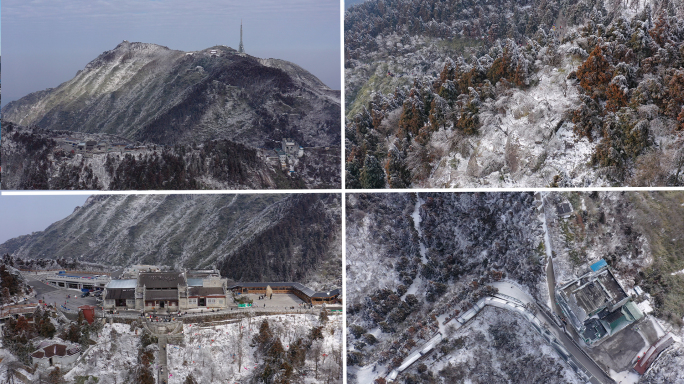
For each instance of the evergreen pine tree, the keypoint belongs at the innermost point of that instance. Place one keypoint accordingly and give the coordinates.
(372, 175)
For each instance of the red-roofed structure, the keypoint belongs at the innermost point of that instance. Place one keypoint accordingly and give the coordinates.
(55, 353)
(644, 362)
(88, 312)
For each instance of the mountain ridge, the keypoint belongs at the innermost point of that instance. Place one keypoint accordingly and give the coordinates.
(199, 231)
(151, 93)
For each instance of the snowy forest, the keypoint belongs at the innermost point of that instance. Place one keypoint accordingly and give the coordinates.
(260, 349)
(413, 258)
(415, 261)
(34, 160)
(526, 93)
(12, 285)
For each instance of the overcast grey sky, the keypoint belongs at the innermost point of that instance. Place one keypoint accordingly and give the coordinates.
(0, 28)
(49, 40)
(21, 215)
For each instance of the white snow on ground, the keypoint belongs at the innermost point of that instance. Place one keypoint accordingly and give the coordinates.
(529, 124)
(678, 272)
(418, 281)
(211, 354)
(659, 329)
(532, 343)
(547, 237)
(545, 213)
(367, 374)
(112, 358)
(416, 215)
(624, 377)
(5, 358)
(645, 307)
(416, 224)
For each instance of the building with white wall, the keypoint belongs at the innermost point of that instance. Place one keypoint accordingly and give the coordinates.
(58, 353)
(167, 291)
(78, 281)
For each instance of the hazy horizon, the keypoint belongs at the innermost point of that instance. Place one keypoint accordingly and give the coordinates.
(22, 215)
(52, 41)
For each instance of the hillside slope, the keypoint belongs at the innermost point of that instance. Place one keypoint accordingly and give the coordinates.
(514, 94)
(35, 158)
(415, 259)
(150, 93)
(248, 237)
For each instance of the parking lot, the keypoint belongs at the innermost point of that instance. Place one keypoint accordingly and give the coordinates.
(618, 351)
(67, 299)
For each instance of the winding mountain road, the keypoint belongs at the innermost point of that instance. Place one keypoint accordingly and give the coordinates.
(513, 298)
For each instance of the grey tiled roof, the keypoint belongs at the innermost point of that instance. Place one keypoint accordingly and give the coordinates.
(164, 294)
(122, 293)
(161, 279)
(206, 291)
(300, 287)
(128, 283)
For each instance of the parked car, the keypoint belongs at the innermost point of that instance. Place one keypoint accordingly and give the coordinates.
(85, 294)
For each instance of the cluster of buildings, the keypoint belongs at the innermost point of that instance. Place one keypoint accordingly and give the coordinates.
(286, 154)
(597, 305)
(92, 146)
(148, 289)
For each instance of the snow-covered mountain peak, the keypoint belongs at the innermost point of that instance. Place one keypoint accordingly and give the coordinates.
(150, 93)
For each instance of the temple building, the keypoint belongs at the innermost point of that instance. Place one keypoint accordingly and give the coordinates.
(597, 305)
(161, 291)
(59, 353)
(158, 291)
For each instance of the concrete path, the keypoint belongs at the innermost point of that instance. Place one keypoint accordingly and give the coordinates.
(163, 371)
(548, 246)
(510, 289)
